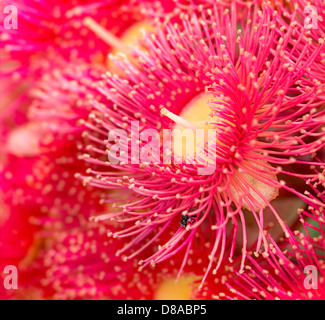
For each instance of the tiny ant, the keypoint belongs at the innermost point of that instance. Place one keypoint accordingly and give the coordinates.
(187, 220)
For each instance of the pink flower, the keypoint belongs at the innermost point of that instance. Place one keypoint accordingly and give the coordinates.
(267, 109)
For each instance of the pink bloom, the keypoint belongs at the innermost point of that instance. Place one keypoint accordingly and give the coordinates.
(266, 108)
(37, 181)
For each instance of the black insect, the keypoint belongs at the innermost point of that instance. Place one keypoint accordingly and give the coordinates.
(187, 220)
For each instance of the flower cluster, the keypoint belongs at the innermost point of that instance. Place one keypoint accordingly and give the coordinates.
(94, 204)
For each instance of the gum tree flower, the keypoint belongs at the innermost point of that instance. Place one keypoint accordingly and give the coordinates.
(246, 80)
(57, 55)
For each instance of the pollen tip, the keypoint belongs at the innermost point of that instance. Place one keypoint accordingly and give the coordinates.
(164, 111)
(87, 21)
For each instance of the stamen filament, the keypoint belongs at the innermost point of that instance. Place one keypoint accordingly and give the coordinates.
(177, 119)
